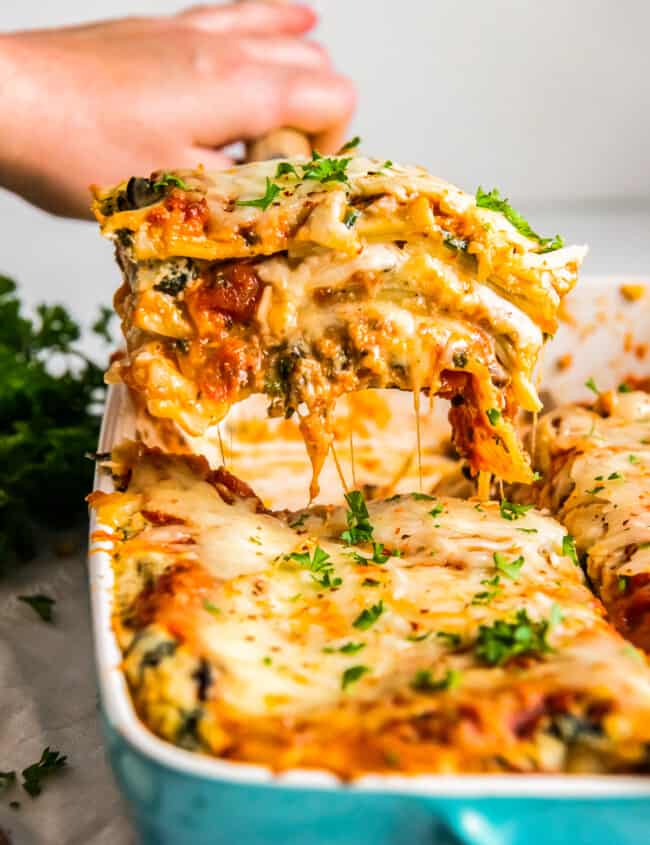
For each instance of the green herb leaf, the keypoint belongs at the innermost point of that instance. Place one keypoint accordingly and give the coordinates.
(527, 530)
(633, 459)
(358, 519)
(511, 569)
(40, 604)
(436, 510)
(486, 596)
(418, 638)
(495, 202)
(624, 388)
(379, 555)
(591, 384)
(423, 497)
(351, 217)
(353, 674)
(285, 168)
(211, 608)
(452, 640)
(504, 640)
(621, 583)
(326, 169)
(320, 566)
(351, 648)
(595, 490)
(350, 145)
(494, 415)
(271, 192)
(459, 360)
(569, 549)
(369, 616)
(167, 179)
(512, 511)
(424, 681)
(614, 476)
(34, 775)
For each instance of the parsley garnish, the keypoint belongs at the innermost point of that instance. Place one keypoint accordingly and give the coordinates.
(167, 179)
(320, 567)
(614, 476)
(353, 674)
(33, 776)
(271, 192)
(350, 145)
(495, 202)
(512, 511)
(417, 638)
(624, 388)
(591, 384)
(527, 530)
(512, 568)
(494, 415)
(211, 608)
(299, 523)
(351, 648)
(351, 217)
(359, 528)
(621, 583)
(369, 616)
(379, 555)
(459, 244)
(424, 681)
(453, 640)
(633, 459)
(569, 548)
(459, 360)
(595, 490)
(436, 510)
(267, 661)
(285, 168)
(498, 643)
(40, 604)
(422, 497)
(486, 596)
(370, 582)
(326, 169)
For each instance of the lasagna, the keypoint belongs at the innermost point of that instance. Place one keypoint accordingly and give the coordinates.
(411, 634)
(308, 279)
(595, 463)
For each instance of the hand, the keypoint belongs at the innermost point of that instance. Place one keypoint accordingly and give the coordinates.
(99, 103)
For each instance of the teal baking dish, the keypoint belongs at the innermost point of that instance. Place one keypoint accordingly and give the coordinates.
(176, 797)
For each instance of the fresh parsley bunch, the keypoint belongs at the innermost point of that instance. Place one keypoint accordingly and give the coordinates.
(50, 410)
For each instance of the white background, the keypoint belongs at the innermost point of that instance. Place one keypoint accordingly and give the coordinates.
(548, 101)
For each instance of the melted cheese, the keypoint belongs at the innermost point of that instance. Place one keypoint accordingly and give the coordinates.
(227, 592)
(422, 290)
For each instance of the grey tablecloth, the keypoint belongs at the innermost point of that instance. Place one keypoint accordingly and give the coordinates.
(48, 696)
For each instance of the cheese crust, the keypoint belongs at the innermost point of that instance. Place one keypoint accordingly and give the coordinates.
(436, 636)
(388, 278)
(595, 463)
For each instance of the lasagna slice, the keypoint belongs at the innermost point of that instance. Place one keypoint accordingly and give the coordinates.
(595, 464)
(414, 634)
(308, 279)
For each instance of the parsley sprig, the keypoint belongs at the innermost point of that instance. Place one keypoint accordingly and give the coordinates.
(359, 529)
(425, 682)
(320, 566)
(512, 511)
(504, 640)
(510, 568)
(493, 201)
(271, 192)
(368, 616)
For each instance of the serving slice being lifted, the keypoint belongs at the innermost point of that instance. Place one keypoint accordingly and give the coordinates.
(305, 279)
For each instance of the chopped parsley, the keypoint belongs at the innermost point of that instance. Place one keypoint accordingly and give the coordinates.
(271, 192)
(211, 608)
(591, 385)
(326, 169)
(493, 201)
(614, 476)
(494, 415)
(423, 681)
(527, 530)
(351, 648)
(451, 241)
(512, 568)
(167, 179)
(569, 548)
(418, 638)
(633, 459)
(40, 604)
(267, 661)
(379, 555)
(504, 640)
(436, 510)
(595, 490)
(368, 616)
(359, 529)
(285, 168)
(33, 776)
(256, 540)
(299, 523)
(621, 583)
(512, 511)
(320, 566)
(388, 163)
(352, 144)
(370, 582)
(486, 596)
(423, 497)
(624, 388)
(351, 217)
(353, 674)
(459, 360)
(452, 640)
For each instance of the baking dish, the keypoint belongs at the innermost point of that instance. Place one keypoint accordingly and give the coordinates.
(183, 798)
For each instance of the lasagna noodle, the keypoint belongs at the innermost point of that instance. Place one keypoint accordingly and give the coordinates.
(389, 279)
(596, 479)
(268, 638)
